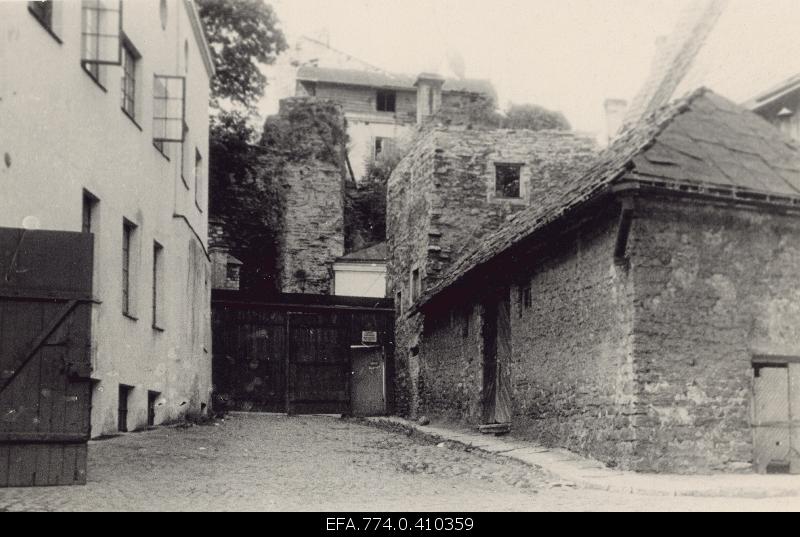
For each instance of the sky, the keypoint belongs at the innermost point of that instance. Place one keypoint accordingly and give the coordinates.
(568, 55)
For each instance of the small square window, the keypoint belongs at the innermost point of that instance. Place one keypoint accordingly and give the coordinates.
(525, 299)
(386, 101)
(507, 181)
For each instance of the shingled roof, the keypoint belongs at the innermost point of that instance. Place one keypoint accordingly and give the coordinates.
(702, 143)
(381, 79)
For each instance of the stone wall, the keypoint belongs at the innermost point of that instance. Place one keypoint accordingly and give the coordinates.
(644, 364)
(441, 204)
(280, 206)
(571, 367)
(714, 286)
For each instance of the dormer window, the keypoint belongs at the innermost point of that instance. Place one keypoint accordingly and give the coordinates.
(386, 101)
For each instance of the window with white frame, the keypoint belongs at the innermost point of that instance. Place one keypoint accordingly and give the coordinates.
(128, 252)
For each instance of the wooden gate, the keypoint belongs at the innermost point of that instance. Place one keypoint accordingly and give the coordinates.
(45, 356)
(776, 412)
(293, 353)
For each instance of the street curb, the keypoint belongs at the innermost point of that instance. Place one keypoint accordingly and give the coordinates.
(574, 468)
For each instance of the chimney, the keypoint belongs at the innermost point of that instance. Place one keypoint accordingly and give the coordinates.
(429, 95)
(615, 115)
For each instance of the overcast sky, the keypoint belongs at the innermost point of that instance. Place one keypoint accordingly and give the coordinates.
(568, 55)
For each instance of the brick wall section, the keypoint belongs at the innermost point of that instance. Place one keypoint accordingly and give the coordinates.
(440, 204)
(714, 286)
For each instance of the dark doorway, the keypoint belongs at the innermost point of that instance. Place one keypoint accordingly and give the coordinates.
(496, 357)
(152, 398)
(122, 408)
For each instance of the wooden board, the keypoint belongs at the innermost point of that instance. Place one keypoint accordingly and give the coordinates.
(45, 356)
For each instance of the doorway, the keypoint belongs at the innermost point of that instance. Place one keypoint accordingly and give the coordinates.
(368, 381)
(496, 335)
(776, 406)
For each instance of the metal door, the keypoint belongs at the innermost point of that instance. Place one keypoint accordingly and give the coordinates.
(45, 356)
(776, 406)
(368, 381)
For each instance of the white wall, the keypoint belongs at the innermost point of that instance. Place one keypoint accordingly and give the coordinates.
(362, 133)
(359, 279)
(62, 133)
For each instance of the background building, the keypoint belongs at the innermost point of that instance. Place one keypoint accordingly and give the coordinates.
(104, 114)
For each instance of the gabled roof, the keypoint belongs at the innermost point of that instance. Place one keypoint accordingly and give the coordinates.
(702, 143)
(382, 79)
(376, 253)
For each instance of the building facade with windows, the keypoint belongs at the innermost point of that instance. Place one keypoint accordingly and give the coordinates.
(382, 109)
(454, 187)
(104, 130)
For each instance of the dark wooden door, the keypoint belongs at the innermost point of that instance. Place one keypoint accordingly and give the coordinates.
(496, 358)
(368, 381)
(45, 356)
(318, 364)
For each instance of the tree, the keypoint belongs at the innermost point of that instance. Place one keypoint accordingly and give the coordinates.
(241, 34)
(534, 117)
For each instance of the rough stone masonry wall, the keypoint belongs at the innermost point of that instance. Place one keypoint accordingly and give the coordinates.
(313, 194)
(714, 286)
(407, 225)
(571, 368)
(463, 206)
(451, 364)
(440, 205)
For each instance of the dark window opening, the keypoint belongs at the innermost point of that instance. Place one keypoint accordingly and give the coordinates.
(158, 252)
(122, 409)
(465, 326)
(416, 285)
(507, 180)
(89, 208)
(198, 178)
(232, 272)
(128, 230)
(386, 101)
(398, 303)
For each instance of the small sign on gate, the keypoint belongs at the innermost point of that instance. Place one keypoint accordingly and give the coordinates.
(369, 336)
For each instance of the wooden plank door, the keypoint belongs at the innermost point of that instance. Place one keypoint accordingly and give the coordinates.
(45, 356)
(496, 333)
(318, 367)
(776, 426)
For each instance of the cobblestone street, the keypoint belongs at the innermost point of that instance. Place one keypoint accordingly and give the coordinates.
(274, 462)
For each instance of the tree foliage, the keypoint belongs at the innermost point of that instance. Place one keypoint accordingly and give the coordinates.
(241, 34)
(534, 117)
